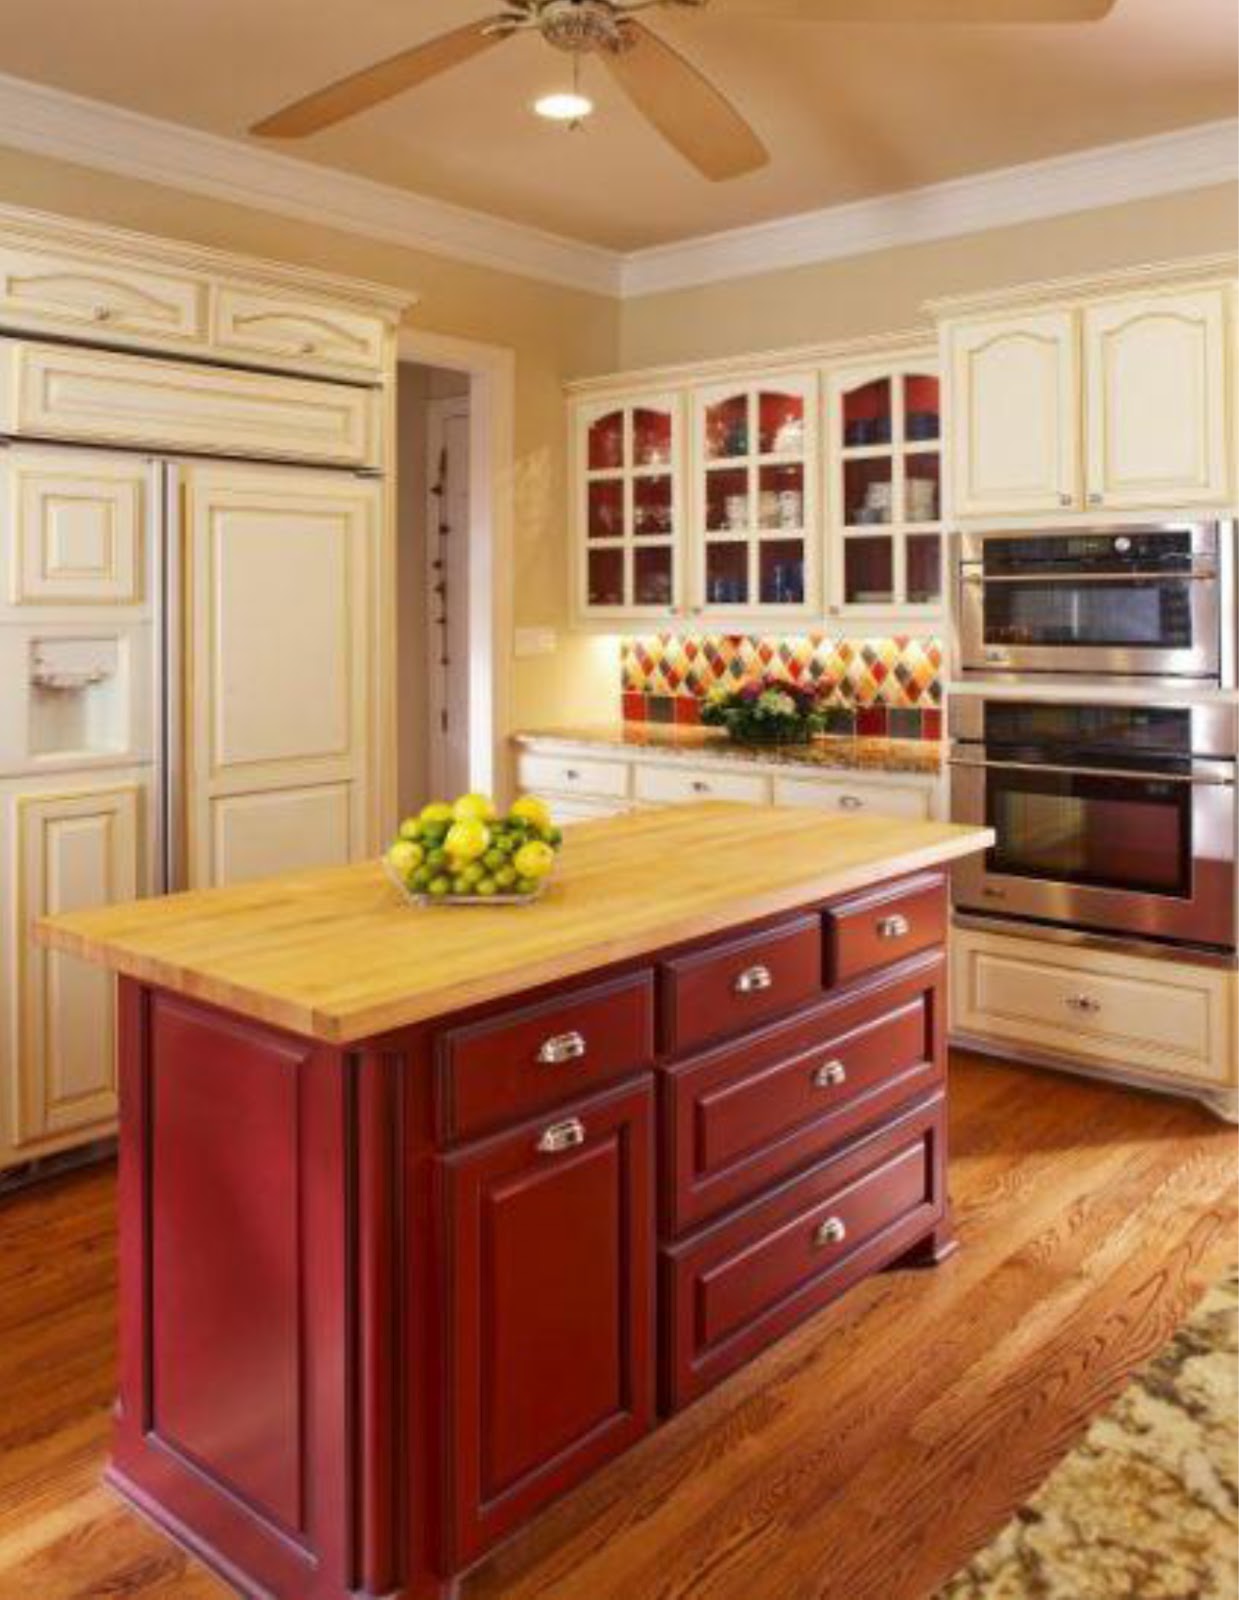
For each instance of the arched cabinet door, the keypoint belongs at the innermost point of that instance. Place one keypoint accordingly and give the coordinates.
(1156, 386)
(628, 512)
(755, 532)
(1015, 414)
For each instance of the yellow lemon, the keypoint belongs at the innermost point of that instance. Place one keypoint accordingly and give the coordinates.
(534, 860)
(474, 808)
(467, 840)
(405, 856)
(436, 811)
(530, 809)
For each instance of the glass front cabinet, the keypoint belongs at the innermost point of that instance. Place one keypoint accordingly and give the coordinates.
(755, 533)
(885, 495)
(629, 484)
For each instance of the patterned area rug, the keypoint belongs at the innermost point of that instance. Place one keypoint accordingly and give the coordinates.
(1144, 1508)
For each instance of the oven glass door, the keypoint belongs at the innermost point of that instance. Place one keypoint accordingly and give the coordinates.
(1091, 613)
(1130, 833)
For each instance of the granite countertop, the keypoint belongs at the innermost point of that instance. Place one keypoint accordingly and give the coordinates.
(336, 954)
(834, 751)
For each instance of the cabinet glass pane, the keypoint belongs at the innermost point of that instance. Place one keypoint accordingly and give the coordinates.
(651, 438)
(922, 488)
(922, 408)
(780, 497)
(727, 500)
(867, 414)
(780, 572)
(924, 559)
(780, 423)
(869, 571)
(727, 573)
(727, 428)
(651, 575)
(606, 577)
(606, 442)
(651, 507)
(867, 491)
(605, 518)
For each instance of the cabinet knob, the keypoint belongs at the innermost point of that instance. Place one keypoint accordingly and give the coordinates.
(561, 1136)
(1096, 499)
(832, 1231)
(101, 313)
(1083, 1003)
(753, 980)
(700, 786)
(829, 1075)
(893, 927)
(561, 1047)
(571, 774)
(851, 802)
(307, 347)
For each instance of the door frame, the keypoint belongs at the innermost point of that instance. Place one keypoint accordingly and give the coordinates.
(491, 370)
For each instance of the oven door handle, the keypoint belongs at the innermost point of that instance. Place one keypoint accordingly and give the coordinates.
(1199, 775)
(1193, 575)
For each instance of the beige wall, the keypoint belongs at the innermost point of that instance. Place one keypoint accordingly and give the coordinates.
(556, 334)
(885, 291)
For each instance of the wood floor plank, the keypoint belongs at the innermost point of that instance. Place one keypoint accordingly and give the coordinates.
(865, 1458)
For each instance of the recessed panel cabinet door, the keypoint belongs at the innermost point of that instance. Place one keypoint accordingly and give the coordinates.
(550, 1261)
(1015, 414)
(74, 849)
(1157, 401)
(279, 567)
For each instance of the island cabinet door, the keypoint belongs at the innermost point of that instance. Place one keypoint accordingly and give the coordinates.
(550, 1262)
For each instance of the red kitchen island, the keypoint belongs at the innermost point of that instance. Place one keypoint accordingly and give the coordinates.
(426, 1214)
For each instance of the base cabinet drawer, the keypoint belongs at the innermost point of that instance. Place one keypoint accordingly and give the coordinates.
(871, 930)
(747, 1115)
(673, 785)
(1092, 1006)
(732, 986)
(549, 1249)
(572, 776)
(531, 1059)
(855, 799)
(730, 1291)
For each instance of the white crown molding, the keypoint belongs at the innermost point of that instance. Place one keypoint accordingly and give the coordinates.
(90, 133)
(51, 122)
(1191, 158)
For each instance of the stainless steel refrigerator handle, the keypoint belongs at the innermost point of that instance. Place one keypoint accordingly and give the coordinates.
(1141, 775)
(157, 856)
(172, 655)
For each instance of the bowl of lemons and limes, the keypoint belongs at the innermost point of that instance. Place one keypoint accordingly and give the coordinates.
(463, 853)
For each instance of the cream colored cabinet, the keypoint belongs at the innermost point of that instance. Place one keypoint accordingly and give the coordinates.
(629, 515)
(77, 846)
(280, 570)
(1156, 401)
(66, 293)
(263, 324)
(1014, 410)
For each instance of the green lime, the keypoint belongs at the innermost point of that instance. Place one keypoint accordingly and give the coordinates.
(487, 886)
(506, 876)
(420, 879)
(493, 859)
(434, 832)
(474, 872)
(554, 837)
(525, 886)
(436, 859)
(461, 885)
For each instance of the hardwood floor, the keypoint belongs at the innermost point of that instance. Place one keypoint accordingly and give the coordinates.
(866, 1456)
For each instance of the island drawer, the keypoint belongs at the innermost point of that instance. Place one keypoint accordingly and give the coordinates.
(870, 930)
(730, 987)
(520, 1062)
(731, 1290)
(747, 1115)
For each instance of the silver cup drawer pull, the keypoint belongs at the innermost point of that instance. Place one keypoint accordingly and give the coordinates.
(832, 1231)
(829, 1075)
(561, 1047)
(851, 802)
(753, 980)
(1085, 1004)
(562, 1136)
(894, 927)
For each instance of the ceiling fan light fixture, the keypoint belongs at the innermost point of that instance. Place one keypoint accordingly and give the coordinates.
(564, 105)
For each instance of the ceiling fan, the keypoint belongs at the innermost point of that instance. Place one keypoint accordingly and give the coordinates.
(689, 112)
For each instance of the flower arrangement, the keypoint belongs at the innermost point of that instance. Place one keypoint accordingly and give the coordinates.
(766, 711)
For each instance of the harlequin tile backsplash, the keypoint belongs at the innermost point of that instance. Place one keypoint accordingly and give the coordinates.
(888, 687)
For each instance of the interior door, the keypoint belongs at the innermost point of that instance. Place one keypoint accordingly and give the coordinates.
(278, 576)
(1015, 414)
(1156, 372)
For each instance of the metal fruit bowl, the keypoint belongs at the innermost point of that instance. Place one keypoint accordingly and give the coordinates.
(412, 898)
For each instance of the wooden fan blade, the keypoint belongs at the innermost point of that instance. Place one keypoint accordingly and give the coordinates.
(686, 108)
(982, 11)
(372, 85)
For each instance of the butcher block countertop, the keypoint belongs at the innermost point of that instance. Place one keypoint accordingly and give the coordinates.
(335, 955)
